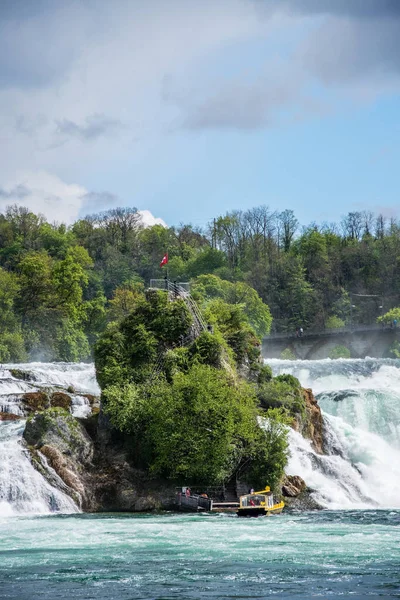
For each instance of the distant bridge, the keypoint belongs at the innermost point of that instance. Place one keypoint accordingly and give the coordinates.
(362, 340)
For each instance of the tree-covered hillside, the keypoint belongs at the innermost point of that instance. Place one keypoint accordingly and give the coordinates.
(59, 286)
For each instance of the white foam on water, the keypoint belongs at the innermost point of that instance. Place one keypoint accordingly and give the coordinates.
(23, 490)
(360, 402)
(80, 376)
(80, 406)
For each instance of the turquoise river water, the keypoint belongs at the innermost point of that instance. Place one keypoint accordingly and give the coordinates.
(121, 557)
(50, 551)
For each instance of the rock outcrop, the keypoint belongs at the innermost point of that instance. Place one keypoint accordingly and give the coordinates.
(297, 495)
(293, 485)
(9, 417)
(95, 473)
(312, 425)
(61, 439)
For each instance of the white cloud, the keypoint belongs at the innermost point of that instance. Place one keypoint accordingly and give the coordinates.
(81, 83)
(148, 219)
(59, 201)
(46, 194)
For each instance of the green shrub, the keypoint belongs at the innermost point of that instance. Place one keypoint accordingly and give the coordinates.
(270, 451)
(176, 360)
(395, 349)
(207, 349)
(209, 287)
(12, 347)
(392, 315)
(290, 379)
(264, 374)
(339, 352)
(71, 343)
(287, 354)
(334, 322)
(128, 350)
(199, 429)
(231, 321)
(282, 393)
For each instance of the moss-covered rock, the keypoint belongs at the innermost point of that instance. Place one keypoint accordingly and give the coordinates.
(35, 401)
(61, 400)
(23, 375)
(56, 435)
(311, 424)
(9, 417)
(57, 427)
(92, 399)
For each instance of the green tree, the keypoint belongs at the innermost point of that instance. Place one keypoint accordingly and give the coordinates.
(200, 429)
(208, 287)
(69, 278)
(390, 316)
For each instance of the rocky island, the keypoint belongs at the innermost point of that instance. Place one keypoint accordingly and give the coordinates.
(185, 399)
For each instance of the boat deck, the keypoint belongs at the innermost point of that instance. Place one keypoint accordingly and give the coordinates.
(224, 506)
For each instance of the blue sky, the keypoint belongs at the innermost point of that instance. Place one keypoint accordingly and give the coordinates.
(191, 109)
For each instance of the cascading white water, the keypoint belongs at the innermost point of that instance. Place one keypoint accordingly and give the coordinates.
(23, 490)
(360, 402)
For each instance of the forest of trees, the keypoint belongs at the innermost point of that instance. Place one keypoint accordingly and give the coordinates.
(60, 286)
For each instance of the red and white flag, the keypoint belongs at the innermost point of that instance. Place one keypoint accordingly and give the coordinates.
(164, 260)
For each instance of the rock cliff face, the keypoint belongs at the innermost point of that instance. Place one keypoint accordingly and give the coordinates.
(89, 468)
(312, 426)
(297, 495)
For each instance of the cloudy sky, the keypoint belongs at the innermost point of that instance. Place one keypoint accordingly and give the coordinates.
(191, 108)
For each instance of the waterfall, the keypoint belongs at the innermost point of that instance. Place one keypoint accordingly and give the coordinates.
(360, 403)
(23, 490)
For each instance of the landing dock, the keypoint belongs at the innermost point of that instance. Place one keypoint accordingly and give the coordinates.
(191, 502)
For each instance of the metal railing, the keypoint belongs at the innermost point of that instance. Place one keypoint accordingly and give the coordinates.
(198, 325)
(162, 284)
(180, 292)
(329, 332)
(194, 502)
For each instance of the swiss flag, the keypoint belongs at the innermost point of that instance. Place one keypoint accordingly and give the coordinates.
(164, 260)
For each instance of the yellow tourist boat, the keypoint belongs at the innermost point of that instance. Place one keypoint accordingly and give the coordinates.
(259, 503)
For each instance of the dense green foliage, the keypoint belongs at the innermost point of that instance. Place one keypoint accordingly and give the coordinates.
(283, 391)
(177, 395)
(60, 287)
(392, 317)
(129, 349)
(207, 287)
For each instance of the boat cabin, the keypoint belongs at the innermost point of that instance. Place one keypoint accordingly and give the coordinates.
(259, 503)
